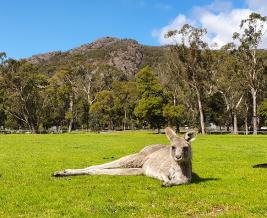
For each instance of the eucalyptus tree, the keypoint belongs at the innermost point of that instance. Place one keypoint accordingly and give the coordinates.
(174, 115)
(127, 98)
(23, 96)
(150, 106)
(195, 62)
(2, 57)
(252, 30)
(262, 111)
(171, 76)
(66, 81)
(2, 112)
(169, 73)
(229, 81)
(103, 109)
(88, 84)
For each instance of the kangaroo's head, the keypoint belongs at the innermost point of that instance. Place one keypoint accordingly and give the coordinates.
(180, 146)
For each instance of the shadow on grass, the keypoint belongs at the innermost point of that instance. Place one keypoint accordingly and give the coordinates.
(197, 179)
(264, 165)
(156, 133)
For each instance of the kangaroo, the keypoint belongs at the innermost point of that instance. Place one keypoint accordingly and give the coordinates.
(168, 163)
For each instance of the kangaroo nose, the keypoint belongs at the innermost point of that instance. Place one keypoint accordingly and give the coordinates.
(178, 157)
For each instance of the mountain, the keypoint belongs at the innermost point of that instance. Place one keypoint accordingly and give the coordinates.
(126, 55)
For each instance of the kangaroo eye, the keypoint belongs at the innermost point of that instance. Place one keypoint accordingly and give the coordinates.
(173, 147)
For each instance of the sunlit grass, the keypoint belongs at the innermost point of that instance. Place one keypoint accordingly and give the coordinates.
(228, 186)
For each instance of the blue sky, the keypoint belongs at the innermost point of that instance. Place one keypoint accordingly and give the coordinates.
(37, 26)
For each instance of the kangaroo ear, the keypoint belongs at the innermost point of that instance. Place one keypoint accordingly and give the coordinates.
(190, 136)
(171, 135)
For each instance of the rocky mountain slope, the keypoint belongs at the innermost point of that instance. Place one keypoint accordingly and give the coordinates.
(126, 55)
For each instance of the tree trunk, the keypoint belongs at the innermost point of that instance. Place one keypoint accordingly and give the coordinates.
(254, 98)
(71, 110)
(125, 117)
(87, 122)
(89, 103)
(174, 100)
(33, 128)
(246, 124)
(70, 125)
(132, 124)
(87, 117)
(246, 118)
(201, 115)
(235, 123)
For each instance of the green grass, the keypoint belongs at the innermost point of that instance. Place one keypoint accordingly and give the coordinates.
(229, 186)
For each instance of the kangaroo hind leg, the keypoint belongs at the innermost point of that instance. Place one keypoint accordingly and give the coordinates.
(117, 171)
(129, 161)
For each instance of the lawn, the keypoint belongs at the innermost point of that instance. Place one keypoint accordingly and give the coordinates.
(228, 186)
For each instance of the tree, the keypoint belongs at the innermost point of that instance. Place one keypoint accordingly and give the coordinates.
(66, 79)
(127, 97)
(80, 82)
(195, 62)
(86, 81)
(89, 83)
(171, 76)
(103, 109)
(24, 96)
(246, 111)
(2, 91)
(2, 57)
(216, 110)
(150, 107)
(249, 39)
(174, 114)
(57, 104)
(229, 81)
(262, 111)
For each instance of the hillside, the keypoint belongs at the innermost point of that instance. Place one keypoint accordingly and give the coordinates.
(126, 55)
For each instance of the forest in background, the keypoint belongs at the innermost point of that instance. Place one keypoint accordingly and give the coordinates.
(119, 84)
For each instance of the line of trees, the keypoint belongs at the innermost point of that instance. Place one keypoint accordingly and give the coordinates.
(235, 71)
(195, 86)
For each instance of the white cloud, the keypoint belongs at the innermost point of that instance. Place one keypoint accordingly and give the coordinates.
(175, 24)
(219, 18)
(222, 26)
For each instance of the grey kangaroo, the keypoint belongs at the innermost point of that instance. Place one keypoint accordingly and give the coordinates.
(170, 163)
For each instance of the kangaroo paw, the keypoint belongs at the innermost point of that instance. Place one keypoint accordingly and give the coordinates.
(59, 174)
(166, 184)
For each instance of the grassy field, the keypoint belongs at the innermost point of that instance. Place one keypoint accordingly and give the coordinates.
(228, 186)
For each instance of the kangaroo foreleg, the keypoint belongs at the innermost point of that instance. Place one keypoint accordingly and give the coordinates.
(175, 181)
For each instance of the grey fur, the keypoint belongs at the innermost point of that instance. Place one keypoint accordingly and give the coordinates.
(169, 163)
